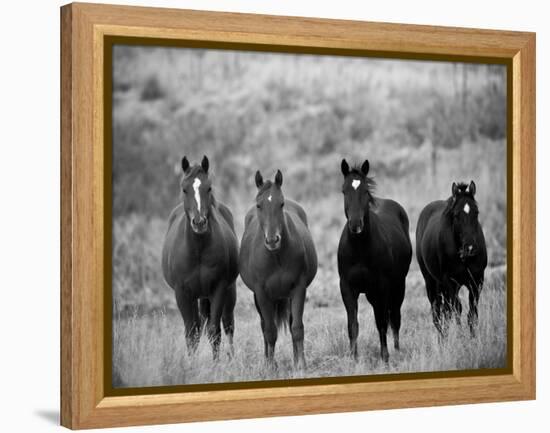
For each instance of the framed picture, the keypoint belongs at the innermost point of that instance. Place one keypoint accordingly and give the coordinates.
(266, 216)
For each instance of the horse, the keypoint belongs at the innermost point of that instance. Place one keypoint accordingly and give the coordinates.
(278, 262)
(451, 253)
(200, 259)
(374, 255)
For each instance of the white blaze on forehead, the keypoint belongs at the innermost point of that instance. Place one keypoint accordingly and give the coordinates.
(269, 198)
(196, 184)
(466, 208)
(355, 183)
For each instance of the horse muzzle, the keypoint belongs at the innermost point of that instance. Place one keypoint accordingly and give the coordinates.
(355, 228)
(199, 225)
(273, 243)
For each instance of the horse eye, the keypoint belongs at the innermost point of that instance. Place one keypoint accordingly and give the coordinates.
(257, 206)
(282, 204)
(210, 189)
(185, 191)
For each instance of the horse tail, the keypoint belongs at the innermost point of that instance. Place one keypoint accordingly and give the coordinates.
(204, 310)
(282, 314)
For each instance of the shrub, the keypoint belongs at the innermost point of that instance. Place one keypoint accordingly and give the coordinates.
(491, 111)
(152, 90)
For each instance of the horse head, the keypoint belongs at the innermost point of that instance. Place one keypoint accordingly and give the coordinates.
(270, 202)
(463, 213)
(357, 190)
(196, 190)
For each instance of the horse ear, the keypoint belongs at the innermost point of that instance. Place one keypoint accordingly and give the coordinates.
(454, 189)
(184, 164)
(205, 164)
(279, 178)
(365, 167)
(472, 188)
(344, 167)
(259, 179)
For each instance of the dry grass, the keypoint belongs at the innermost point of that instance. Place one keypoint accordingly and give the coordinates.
(149, 348)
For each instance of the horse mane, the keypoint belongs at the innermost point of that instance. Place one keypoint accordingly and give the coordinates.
(370, 183)
(462, 192)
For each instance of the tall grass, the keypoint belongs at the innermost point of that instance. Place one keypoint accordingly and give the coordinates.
(149, 348)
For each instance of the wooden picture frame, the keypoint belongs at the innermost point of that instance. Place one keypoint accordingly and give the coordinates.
(85, 270)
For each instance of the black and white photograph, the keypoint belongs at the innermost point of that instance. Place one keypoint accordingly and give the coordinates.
(287, 216)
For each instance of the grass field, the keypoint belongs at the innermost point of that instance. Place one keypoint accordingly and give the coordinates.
(149, 348)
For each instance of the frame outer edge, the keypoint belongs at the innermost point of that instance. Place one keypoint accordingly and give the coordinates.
(66, 334)
(79, 409)
(528, 220)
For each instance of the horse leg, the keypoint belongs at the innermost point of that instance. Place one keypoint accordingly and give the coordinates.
(437, 314)
(474, 289)
(434, 296)
(190, 313)
(213, 326)
(395, 322)
(447, 307)
(395, 312)
(269, 327)
(381, 318)
(204, 312)
(438, 319)
(297, 326)
(457, 308)
(451, 305)
(228, 318)
(262, 323)
(377, 295)
(442, 306)
(350, 302)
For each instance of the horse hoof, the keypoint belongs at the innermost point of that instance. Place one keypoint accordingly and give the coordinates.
(354, 354)
(230, 350)
(271, 364)
(300, 365)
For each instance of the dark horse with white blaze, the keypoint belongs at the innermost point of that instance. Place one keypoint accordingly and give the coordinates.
(451, 253)
(374, 256)
(277, 262)
(200, 259)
